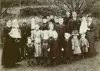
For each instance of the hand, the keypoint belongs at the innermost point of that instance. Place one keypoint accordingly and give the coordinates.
(62, 49)
(48, 50)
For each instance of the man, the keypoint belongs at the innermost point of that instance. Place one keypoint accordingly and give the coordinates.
(73, 24)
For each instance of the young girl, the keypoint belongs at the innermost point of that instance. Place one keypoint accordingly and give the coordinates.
(84, 44)
(36, 36)
(45, 37)
(75, 45)
(53, 46)
(30, 49)
(67, 48)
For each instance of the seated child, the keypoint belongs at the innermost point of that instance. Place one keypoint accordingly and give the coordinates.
(29, 51)
(84, 44)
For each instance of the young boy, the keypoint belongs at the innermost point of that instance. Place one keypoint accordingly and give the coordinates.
(84, 44)
(29, 51)
(54, 50)
(67, 48)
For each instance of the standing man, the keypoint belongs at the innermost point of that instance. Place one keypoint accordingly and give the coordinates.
(73, 24)
(67, 18)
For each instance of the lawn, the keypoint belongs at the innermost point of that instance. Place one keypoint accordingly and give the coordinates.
(89, 64)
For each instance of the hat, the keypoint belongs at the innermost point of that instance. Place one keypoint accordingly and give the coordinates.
(75, 32)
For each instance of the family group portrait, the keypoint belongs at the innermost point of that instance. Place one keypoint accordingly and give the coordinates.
(49, 35)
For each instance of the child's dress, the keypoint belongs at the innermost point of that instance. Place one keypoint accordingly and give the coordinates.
(75, 46)
(84, 44)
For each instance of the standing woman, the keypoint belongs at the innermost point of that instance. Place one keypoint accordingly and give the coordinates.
(91, 36)
(11, 53)
(6, 37)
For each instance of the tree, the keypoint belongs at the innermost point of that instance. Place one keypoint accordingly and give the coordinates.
(2, 12)
(74, 5)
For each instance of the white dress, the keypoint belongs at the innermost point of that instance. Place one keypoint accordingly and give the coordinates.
(75, 46)
(84, 26)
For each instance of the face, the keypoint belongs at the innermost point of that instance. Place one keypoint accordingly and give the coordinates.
(61, 21)
(9, 23)
(83, 35)
(44, 20)
(68, 14)
(89, 19)
(51, 16)
(67, 36)
(74, 14)
(15, 23)
(37, 27)
(51, 26)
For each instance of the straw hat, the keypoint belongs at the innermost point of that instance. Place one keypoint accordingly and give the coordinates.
(75, 32)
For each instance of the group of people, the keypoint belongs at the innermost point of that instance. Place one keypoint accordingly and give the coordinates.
(58, 40)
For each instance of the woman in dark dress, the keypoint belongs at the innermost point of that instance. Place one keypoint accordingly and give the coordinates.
(91, 36)
(61, 28)
(11, 53)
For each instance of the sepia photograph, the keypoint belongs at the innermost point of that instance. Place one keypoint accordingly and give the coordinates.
(49, 35)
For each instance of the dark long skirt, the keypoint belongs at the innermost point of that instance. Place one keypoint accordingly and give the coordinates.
(91, 39)
(11, 53)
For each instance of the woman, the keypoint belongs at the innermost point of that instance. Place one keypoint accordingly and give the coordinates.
(11, 53)
(91, 36)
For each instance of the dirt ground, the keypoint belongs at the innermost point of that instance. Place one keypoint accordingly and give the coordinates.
(89, 64)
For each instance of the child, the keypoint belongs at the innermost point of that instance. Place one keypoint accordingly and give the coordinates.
(45, 37)
(54, 50)
(29, 52)
(75, 45)
(36, 36)
(67, 48)
(84, 44)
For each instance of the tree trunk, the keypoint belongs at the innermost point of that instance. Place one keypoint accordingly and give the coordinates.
(0, 6)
